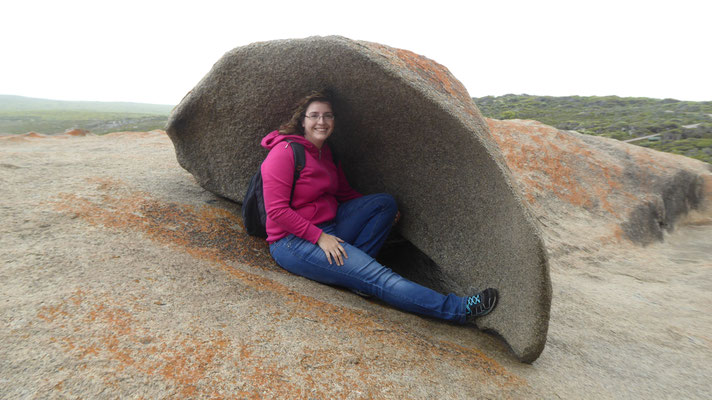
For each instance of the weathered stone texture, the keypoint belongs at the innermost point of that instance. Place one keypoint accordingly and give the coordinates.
(405, 126)
(616, 190)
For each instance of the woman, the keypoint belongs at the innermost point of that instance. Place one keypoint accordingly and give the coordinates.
(329, 232)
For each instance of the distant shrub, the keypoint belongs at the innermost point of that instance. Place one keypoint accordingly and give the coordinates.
(508, 115)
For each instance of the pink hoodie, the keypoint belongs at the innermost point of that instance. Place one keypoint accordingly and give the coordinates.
(317, 194)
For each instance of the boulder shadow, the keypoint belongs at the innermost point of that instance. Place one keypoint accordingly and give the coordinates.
(410, 262)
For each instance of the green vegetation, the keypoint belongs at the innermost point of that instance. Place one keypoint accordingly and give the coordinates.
(19, 103)
(22, 114)
(700, 149)
(683, 127)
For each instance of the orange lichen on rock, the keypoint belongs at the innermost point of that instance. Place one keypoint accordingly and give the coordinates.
(546, 161)
(22, 137)
(50, 313)
(210, 231)
(435, 74)
(76, 132)
(611, 189)
(182, 359)
(216, 235)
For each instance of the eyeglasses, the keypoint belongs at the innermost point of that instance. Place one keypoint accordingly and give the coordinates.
(316, 116)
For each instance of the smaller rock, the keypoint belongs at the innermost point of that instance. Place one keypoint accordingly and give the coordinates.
(76, 132)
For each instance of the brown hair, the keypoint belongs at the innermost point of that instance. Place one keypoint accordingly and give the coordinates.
(294, 125)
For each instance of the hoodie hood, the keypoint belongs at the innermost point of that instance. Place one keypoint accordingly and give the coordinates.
(274, 138)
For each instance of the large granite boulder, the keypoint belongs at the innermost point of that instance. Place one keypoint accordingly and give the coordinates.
(405, 126)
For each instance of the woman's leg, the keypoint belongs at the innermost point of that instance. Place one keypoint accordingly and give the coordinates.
(361, 272)
(365, 222)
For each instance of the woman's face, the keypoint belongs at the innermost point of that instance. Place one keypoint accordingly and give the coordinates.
(318, 123)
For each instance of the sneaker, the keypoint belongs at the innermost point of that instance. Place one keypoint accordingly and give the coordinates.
(480, 304)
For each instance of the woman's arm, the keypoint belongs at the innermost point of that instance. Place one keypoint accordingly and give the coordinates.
(277, 176)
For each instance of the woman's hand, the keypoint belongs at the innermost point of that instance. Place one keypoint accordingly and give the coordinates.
(332, 248)
(398, 216)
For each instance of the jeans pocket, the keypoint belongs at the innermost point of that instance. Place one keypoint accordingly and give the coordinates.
(288, 241)
(283, 242)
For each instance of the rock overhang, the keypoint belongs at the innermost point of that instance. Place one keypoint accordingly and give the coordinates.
(405, 126)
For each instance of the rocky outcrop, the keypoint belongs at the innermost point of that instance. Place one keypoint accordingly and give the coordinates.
(616, 191)
(405, 126)
(77, 132)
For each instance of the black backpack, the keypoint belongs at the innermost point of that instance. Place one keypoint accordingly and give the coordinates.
(254, 215)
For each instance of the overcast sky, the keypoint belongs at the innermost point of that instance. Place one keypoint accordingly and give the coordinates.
(156, 51)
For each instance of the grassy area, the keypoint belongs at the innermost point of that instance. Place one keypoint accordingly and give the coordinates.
(684, 127)
(20, 103)
(698, 148)
(22, 114)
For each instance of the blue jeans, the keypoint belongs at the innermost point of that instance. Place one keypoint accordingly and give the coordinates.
(364, 224)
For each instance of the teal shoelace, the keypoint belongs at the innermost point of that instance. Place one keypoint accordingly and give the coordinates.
(471, 302)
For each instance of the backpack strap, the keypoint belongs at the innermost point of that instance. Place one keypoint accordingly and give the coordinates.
(299, 162)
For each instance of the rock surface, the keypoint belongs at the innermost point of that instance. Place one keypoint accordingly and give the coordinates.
(405, 126)
(617, 191)
(121, 277)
